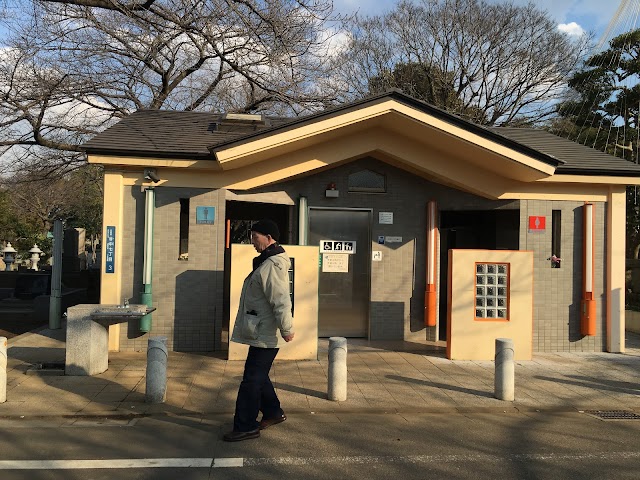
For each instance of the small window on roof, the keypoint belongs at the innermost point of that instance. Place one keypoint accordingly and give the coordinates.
(366, 181)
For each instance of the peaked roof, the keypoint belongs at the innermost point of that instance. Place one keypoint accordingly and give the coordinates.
(198, 135)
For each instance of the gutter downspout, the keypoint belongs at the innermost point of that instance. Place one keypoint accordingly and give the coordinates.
(430, 304)
(146, 296)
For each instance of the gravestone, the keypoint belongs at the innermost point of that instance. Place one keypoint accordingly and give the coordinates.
(30, 285)
(74, 257)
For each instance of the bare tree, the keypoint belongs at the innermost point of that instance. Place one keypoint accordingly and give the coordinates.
(507, 64)
(71, 68)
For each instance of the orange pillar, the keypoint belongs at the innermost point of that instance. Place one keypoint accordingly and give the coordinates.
(588, 311)
(430, 305)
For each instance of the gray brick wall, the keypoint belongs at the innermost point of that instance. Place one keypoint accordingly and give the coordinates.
(558, 291)
(187, 294)
(398, 282)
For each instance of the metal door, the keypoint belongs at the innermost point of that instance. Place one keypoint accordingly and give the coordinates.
(344, 283)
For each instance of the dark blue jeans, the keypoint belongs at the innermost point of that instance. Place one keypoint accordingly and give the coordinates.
(256, 392)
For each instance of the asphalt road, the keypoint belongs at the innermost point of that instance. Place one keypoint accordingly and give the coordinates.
(533, 446)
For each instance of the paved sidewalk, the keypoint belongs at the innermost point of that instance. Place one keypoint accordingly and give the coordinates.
(383, 377)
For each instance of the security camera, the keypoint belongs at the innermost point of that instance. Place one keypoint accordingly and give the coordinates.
(150, 174)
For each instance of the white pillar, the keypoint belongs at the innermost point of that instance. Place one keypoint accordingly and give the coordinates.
(337, 388)
(157, 356)
(504, 383)
(303, 220)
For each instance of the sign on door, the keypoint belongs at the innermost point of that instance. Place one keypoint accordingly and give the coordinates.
(332, 246)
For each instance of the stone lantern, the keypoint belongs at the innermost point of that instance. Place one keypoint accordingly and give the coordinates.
(35, 256)
(9, 256)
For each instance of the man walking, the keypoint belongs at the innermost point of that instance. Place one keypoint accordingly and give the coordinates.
(265, 308)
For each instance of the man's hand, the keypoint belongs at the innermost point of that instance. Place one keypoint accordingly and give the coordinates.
(288, 338)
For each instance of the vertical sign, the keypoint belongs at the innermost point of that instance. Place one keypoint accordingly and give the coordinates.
(110, 250)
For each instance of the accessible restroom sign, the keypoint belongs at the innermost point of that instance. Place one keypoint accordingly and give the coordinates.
(332, 246)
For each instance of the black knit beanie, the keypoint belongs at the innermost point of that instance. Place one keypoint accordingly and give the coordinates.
(267, 227)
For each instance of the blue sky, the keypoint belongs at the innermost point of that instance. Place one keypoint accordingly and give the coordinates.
(591, 15)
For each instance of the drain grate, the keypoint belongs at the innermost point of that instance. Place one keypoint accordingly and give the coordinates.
(46, 368)
(614, 414)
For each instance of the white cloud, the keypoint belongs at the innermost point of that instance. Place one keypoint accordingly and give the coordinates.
(572, 29)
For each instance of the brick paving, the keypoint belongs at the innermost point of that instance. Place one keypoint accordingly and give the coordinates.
(383, 377)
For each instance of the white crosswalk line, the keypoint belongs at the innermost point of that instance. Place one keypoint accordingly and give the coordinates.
(238, 462)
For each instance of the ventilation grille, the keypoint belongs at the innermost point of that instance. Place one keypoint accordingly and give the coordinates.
(367, 181)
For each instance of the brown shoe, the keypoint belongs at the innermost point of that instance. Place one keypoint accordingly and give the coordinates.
(267, 422)
(240, 436)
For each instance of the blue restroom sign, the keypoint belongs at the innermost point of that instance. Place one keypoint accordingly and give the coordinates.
(110, 250)
(205, 215)
(332, 246)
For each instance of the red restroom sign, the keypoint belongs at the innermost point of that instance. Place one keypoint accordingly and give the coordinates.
(537, 224)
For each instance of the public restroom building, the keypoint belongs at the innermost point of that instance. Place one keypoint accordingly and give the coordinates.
(420, 226)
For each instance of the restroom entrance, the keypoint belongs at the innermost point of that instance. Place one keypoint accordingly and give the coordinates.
(344, 237)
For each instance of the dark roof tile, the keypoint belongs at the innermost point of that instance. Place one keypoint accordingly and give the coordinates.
(162, 133)
(578, 159)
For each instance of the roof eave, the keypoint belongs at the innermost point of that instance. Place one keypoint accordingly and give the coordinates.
(409, 101)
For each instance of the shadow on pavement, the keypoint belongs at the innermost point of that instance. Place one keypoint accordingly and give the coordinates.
(301, 390)
(443, 386)
(597, 383)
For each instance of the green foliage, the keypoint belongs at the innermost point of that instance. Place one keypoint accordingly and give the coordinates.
(604, 113)
(29, 206)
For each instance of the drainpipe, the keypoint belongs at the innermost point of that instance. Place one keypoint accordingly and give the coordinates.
(430, 304)
(146, 297)
(588, 314)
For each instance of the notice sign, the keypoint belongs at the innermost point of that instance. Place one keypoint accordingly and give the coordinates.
(335, 262)
(110, 250)
(537, 224)
(331, 246)
(385, 218)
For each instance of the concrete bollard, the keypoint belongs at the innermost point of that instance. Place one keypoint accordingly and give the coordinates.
(337, 388)
(3, 369)
(505, 370)
(157, 356)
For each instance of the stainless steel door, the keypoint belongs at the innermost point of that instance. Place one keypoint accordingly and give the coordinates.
(344, 282)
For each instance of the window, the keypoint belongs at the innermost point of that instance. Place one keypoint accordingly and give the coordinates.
(292, 277)
(492, 291)
(556, 237)
(366, 181)
(184, 229)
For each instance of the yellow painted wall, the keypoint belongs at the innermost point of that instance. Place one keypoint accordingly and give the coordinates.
(111, 283)
(471, 339)
(305, 322)
(616, 269)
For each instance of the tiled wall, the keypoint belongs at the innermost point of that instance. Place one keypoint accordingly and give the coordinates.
(187, 294)
(558, 291)
(398, 281)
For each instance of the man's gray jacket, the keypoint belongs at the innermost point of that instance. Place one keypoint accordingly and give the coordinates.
(265, 305)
